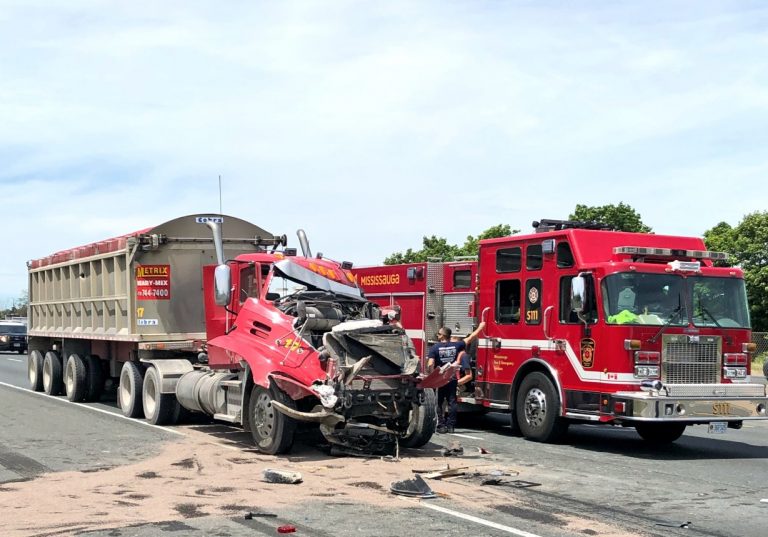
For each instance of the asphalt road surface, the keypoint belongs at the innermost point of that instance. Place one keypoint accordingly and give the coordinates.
(708, 485)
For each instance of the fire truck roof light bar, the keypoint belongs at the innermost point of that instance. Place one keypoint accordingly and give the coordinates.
(669, 252)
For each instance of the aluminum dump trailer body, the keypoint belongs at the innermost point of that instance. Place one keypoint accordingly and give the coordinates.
(143, 287)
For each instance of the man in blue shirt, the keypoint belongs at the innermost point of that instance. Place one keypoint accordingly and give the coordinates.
(447, 353)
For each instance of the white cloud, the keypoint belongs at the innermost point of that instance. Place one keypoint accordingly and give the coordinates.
(369, 125)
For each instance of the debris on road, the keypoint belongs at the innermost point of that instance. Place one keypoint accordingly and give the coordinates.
(454, 450)
(286, 529)
(414, 488)
(251, 516)
(674, 524)
(271, 475)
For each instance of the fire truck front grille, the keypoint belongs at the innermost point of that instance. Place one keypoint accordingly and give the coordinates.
(691, 359)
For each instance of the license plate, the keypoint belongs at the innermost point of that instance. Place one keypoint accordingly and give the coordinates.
(718, 427)
(17, 344)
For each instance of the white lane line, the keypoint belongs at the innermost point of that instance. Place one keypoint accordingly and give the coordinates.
(14, 360)
(466, 436)
(478, 520)
(113, 414)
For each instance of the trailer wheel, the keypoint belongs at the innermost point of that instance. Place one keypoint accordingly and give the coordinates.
(660, 433)
(272, 430)
(95, 378)
(35, 371)
(159, 408)
(129, 391)
(422, 423)
(75, 384)
(537, 409)
(53, 379)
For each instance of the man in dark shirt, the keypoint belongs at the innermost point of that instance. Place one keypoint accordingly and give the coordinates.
(448, 353)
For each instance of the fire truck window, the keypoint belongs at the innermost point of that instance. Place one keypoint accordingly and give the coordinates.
(533, 301)
(567, 315)
(533, 257)
(507, 301)
(509, 260)
(462, 279)
(564, 255)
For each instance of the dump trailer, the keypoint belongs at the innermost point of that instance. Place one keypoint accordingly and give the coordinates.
(213, 314)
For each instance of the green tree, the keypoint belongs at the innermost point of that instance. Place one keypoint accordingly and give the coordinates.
(438, 247)
(621, 217)
(747, 244)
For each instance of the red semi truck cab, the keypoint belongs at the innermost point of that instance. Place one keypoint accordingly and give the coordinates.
(632, 329)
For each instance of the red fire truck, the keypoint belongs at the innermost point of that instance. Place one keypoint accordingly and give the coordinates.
(591, 325)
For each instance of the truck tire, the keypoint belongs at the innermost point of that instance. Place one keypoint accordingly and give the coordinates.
(35, 371)
(537, 409)
(129, 390)
(423, 422)
(95, 378)
(53, 378)
(660, 433)
(75, 379)
(272, 431)
(159, 408)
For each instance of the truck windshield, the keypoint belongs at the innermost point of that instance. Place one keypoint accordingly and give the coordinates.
(651, 299)
(666, 299)
(719, 302)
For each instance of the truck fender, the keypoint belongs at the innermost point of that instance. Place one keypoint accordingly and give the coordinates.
(530, 365)
(292, 388)
(170, 371)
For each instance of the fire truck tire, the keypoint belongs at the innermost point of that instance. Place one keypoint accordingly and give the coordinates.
(129, 391)
(95, 378)
(75, 379)
(660, 433)
(159, 408)
(272, 431)
(423, 422)
(537, 409)
(35, 371)
(53, 378)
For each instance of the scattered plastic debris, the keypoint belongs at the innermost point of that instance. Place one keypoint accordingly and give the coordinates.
(483, 451)
(286, 529)
(414, 488)
(454, 450)
(250, 516)
(271, 475)
(674, 525)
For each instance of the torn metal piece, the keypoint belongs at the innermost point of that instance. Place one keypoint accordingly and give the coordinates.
(414, 488)
(272, 475)
(355, 369)
(448, 472)
(316, 416)
(454, 450)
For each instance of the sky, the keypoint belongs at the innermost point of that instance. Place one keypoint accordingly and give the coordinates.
(373, 124)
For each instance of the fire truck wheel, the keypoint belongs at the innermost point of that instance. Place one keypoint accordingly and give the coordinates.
(159, 408)
(95, 378)
(660, 433)
(75, 384)
(272, 430)
(129, 391)
(53, 379)
(35, 371)
(537, 409)
(422, 423)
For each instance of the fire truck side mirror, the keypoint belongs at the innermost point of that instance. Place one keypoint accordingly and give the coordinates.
(222, 281)
(578, 293)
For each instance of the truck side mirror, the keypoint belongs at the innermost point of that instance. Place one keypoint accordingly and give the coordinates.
(222, 280)
(578, 293)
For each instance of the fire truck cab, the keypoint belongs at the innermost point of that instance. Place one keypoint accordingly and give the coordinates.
(587, 324)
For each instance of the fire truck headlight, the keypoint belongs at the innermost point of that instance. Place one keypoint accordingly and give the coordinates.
(760, 409)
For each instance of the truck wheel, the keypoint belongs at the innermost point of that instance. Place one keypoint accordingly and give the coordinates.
(423, 422)
(272, 430)
(159, 408)
(53, 379)
(35, 371)
(75, 379)
(537, 409)
(660, 433)
(129, 391)
(95, 378)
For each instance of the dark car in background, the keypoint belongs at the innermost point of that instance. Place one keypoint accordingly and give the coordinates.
(13, 336)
